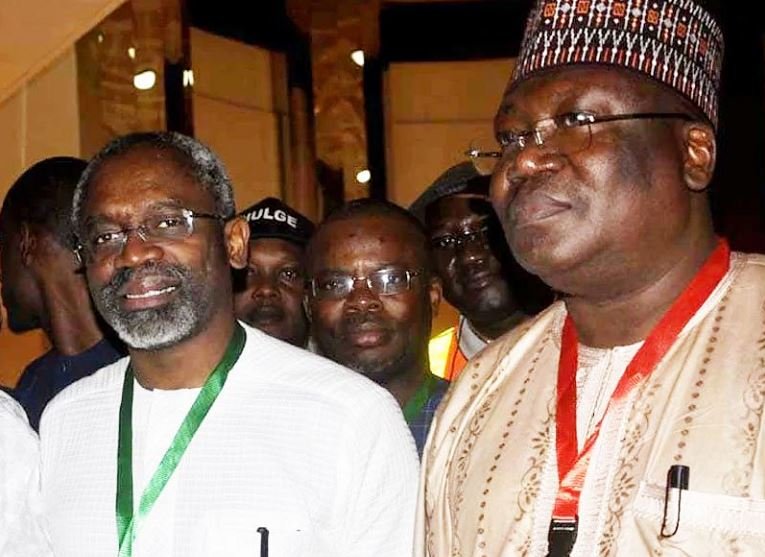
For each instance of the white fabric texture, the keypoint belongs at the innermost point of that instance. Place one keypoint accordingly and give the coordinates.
(21, 532)
(470, 343)
(312, 451)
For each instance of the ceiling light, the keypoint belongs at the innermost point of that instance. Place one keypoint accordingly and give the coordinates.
(131, 53)
(358, 57)
(363, 176)
(145, 80)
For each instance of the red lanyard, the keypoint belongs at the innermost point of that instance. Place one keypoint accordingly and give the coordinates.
(572, 465)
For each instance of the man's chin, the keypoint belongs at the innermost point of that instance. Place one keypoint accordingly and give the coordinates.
(494, 301)
(154, 329)
(379, 370)
(271, 328)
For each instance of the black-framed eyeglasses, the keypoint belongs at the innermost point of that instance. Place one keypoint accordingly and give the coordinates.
(332, 285)
(102, 241)
(563, 134)
(450, 242)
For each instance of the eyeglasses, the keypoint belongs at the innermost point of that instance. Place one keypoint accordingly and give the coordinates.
(564, 134)
(105, 240)
(454, 241)
(385, 282)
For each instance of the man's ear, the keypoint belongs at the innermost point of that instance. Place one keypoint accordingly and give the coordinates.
(28, 244)
(436, 294)
(237, 233)
(699, 156)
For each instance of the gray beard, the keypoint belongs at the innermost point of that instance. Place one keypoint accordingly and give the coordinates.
(157, 328)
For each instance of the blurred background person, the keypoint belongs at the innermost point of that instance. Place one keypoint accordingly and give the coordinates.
(480, 276)
(42, 284)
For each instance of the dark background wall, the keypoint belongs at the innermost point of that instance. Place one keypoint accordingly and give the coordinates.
(432, 31)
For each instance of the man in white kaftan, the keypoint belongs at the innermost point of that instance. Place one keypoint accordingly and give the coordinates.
(295, 443)
(211, 439)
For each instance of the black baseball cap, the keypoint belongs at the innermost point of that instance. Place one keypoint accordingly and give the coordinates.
(272, 218)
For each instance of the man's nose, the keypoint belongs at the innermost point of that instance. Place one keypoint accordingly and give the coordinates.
(362, 297)
(473, 249)
(137, 250)
(264, 285)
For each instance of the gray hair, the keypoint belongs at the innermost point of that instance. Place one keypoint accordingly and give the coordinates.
(198, 159)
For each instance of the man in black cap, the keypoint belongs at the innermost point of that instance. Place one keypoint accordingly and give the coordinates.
(479, 274)
(270, 298)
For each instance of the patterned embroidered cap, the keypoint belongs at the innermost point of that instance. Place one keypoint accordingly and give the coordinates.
(676, 42)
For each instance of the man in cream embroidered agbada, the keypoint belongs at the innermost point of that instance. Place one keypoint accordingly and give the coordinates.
(559, 438)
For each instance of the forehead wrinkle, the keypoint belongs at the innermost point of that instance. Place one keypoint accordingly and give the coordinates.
(130, 212)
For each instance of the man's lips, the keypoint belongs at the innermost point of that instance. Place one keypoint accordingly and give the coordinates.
(266, 314)
(366, 335)
(150, 293)
(527, 209)
(478, 279)
(147, 292)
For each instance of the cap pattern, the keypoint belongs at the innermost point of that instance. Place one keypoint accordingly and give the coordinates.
(676, 42)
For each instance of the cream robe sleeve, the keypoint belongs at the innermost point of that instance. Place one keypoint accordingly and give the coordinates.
(21, 531)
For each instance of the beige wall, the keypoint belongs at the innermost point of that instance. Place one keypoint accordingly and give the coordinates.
(433, 111)
(38, 121)
(37, 33)
(240, 111)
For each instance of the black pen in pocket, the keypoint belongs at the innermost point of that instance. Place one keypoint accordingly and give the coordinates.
(678, 479)
(263, 531)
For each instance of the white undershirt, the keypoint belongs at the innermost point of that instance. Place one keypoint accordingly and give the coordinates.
(597, 375)
(470, 343)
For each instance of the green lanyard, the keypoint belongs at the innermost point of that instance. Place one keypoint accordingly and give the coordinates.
(415, 404)
(126, 522)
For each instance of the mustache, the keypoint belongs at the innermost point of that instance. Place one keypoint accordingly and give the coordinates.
(362, 321)
(151, 268)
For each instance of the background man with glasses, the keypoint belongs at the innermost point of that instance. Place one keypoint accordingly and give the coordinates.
(211, 438)
(479, 275)
(371, 297)
(627, 418)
